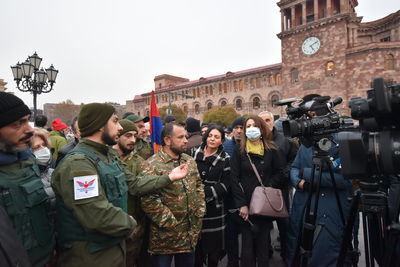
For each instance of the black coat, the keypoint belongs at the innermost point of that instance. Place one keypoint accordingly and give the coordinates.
(215, 174)
(243, 178)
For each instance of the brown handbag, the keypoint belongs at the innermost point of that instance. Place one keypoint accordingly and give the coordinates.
(266, 201)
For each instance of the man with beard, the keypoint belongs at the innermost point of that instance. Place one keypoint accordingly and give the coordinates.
(136, 246)
(91, 186)
(176, 210)
(22, 195)
(142, 147)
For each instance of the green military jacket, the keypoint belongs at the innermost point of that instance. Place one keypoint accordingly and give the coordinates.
(143, 148)
(97, 214)
(176, 211)
(57, 142)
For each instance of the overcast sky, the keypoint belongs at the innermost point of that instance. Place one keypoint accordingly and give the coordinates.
(111, 50)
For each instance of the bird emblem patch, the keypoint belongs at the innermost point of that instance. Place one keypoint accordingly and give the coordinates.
(86, 187)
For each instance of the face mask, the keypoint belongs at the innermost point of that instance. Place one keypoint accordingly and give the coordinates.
(43, 156)
(253, 133)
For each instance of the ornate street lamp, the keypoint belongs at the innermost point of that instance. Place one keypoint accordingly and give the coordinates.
(33, 79)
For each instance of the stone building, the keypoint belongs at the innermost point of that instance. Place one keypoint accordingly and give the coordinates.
(3, 85)
(326, 49)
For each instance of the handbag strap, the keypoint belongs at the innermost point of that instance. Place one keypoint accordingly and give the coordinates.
(255, 170)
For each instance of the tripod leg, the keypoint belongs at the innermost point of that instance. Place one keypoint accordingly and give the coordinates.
(348, 230)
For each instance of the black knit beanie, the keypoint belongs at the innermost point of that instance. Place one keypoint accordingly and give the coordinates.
(11, 109)
(238, 121)
(192, 125)
(93, 116)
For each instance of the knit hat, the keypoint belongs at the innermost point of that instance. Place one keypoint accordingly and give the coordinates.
(127, 126)
(58, 125)
(136, 118)
(11, 109)
(238, 122)
(192, 125)
(169, 118)
(93, 116)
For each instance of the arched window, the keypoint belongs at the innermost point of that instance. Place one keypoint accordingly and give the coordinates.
(238, 104)
(390, 62)
(223, 103)
(185, 109)
(271, 80)
(274, 99)
(256, 102)
(147, 113)
(278, 79)
(294, 74)
(209, 105)
(197, 108)
(330, 68)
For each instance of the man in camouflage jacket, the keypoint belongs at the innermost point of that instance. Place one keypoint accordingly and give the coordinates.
(137, 242)
(175, 211)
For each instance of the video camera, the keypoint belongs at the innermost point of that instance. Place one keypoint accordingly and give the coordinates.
(302, 123)
(375, 149)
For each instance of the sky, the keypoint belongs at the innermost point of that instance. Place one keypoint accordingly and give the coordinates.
(112, 50)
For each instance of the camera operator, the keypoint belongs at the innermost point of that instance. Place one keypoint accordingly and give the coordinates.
(329, 227)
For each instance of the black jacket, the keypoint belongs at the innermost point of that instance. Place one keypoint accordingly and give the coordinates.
(244, 180)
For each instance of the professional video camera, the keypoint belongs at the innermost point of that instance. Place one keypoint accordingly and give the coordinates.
(302, 124)
(375, 149)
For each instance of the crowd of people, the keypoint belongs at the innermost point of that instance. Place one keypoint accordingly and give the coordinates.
(100, 196)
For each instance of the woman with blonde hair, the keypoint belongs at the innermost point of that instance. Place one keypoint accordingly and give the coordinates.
(255, 148)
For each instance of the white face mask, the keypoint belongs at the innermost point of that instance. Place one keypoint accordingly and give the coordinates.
(43, 156)
(253, 133)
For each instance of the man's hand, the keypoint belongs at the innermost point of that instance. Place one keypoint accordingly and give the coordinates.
(179, 172)
(244, 212)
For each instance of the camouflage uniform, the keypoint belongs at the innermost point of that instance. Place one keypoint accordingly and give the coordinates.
(176, 211)
(96, 215)
(143, 148)
(134, 243)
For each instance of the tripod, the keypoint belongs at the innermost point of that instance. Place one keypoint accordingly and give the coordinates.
(321, 161)
(380, 241)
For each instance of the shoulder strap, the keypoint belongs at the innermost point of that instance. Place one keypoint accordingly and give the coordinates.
(255, 170)
(86, 152)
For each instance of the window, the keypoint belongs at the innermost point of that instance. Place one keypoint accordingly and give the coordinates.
(209, 105)
(198, 92)
(259, 82)
(147, 113)
(206, 90)
(235, 85)
(278, 79)
(185, 109)
(241, 85)
(225, 88)
(211, 90)
(223, 103)
(252, 83)
(238, 104)
(330, 68)
(389, 62)
(385, 39)
(274, 99)
(197, 108)
(294, 74)
(256, 102)
(159, 85)
(194, 92)
(271, 80)
(220, 88)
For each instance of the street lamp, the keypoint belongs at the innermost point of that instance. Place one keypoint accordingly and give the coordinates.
(33, 79)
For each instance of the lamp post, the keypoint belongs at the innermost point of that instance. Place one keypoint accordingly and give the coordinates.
(33, 79)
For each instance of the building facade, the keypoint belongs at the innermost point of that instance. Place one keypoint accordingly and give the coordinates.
(2, 85)
(326, 49)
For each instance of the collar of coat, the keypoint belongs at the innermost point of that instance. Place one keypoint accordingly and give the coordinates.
(220, 155)
(165, 157)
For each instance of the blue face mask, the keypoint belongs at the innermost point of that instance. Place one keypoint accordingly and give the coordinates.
(253, 133)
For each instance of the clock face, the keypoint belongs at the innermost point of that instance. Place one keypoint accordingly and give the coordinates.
(311, 45)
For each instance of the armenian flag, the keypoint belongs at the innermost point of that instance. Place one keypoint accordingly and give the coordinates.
(155, 124)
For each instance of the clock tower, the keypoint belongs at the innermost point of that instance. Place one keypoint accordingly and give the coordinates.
(315, 36)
